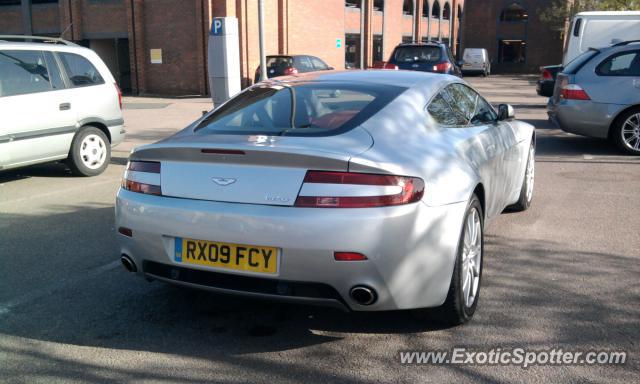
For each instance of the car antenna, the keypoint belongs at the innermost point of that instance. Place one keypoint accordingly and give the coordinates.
(65, 30)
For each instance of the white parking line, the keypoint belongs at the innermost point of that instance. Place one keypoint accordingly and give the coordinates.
(5, 308)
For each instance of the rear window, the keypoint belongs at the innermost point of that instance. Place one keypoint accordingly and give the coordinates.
(279, 61)
(302, 109)
(417, 54)
(80, 70)
(574, 66)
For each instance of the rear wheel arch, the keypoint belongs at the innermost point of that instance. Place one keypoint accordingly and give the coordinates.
(619, 115)
(98, 125)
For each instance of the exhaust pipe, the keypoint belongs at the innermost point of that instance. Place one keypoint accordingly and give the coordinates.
(128, 263)
(363, 295)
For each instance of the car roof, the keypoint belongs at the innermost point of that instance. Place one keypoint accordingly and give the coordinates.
(608, 13)
(406, 79)
(41, 46)
(421, 44)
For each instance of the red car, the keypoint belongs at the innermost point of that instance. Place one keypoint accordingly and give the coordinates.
(284, 65)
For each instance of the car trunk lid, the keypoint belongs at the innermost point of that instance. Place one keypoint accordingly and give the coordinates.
(249, 169)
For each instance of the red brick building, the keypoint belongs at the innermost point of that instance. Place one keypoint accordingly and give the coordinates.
(513, 34)
(159, 46)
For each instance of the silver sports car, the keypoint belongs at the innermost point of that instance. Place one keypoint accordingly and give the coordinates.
(364, 190)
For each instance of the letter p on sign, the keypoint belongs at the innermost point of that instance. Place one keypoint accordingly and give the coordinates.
(216, 27)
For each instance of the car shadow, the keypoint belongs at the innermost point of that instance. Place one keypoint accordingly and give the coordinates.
(52, 169)
(83, 298)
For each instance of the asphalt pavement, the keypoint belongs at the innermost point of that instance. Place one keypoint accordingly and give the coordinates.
(563, 274)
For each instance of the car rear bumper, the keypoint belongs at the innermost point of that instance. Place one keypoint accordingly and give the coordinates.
(583, 117)
(117, 133)
(545, 87)
(477, 68)
(411, 249)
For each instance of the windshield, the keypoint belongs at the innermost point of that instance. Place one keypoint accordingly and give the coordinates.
(302, 109)
(413, 54)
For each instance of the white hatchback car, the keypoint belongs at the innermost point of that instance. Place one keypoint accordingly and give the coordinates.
(57, 101)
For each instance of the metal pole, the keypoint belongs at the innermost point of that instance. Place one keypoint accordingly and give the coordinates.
(263, 55)
(26, 17)
(362, 34)
(413, 22)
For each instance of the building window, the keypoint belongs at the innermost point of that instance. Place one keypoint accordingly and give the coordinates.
(352, 50)
(407, 39)
(407, 7)
(378, 5)
(514, 12)
(512, 51)
(352, 3)
(425, 8)
(446, 12)
(435, 10)
(377, 48)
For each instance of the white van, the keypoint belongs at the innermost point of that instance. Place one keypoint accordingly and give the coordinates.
(476, 60)
(599, 29)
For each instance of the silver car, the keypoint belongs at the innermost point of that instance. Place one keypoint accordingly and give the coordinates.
(58, 101)
(363, 190)
(598, 95)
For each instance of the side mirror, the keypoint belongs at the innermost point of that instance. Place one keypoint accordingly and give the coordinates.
(330, 68)
(506, 112)
(460, 62)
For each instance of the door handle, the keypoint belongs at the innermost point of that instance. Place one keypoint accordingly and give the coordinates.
(65, 106)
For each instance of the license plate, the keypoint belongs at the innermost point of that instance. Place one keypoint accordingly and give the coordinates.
(224, 255)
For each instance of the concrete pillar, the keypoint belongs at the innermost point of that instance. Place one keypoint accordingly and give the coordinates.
(368, 32)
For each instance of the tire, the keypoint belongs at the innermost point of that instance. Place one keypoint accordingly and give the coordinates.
(459, 307)
(526, 191)
(90, 152)
(626, 132)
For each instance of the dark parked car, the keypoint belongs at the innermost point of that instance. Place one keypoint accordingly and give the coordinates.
(547, 80)
(429, 56)
(285, 65)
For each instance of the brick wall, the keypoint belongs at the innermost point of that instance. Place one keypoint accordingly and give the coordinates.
(180, 28)
(543, 46)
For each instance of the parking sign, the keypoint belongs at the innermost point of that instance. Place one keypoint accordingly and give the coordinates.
(216, 27)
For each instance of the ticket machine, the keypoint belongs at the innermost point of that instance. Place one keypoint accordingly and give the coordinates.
(224, 59)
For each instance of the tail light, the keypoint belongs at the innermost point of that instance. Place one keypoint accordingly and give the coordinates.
(119, 95)
(290, 71)
(349, 256)
(573, 92)
(442, 67)
(390, 66)
(546, 75)
(142, 177)
(357, 190)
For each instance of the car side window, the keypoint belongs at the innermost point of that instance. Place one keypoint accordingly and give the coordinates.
(304, 65)
(442, 112)
(317, 63)
(620, 64)
(54, 71)
(461, 100)
(484, 113)
(80, 70)
(23, 72)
